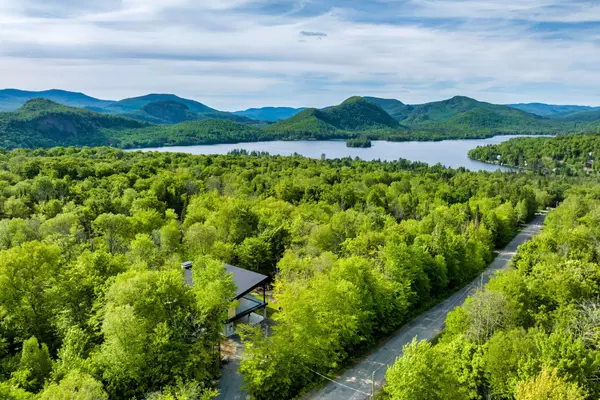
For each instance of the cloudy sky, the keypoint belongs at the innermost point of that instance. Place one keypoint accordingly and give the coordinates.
(235, 54)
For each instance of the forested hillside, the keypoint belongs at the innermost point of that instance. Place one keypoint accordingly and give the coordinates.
(91, 242)
(43, 123)
(469, 116)
(13, 99)
(566, 155)
(168, 109)
(550, 110)
(168, 120)
(532, 334)
(354, 114)
(209, 131)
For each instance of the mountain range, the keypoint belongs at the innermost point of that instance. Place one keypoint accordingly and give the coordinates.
(55, 117)
(552, 110)
(270, 114)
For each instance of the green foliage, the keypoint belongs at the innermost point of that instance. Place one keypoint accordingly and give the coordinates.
(548, 385)
(362, 142)
(563, 155)
(34, 367)
(90, 265)
(149, 337)
(533, 333)
(208, 131)
(421, 374)
(75, 386)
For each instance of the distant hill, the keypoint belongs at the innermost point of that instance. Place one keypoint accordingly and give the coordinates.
(170, 120)
(153, 107)
(137, 103)
(583, 116)
(549, 110)
(464, 116)
(270, 114)
(439, 111)
(354, 114)
(13, 99)
(44, 123)
(163, 112)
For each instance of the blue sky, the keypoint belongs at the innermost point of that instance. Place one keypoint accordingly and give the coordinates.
(235, 54)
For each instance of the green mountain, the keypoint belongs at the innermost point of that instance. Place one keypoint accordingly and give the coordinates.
(44, 123)
(169, 109)
(583, 116)
(13, 99)
(354, 114)
(464, 116)
(442, 111)
(270, 114)
(137, 103)
(550, 110)
(164, 112)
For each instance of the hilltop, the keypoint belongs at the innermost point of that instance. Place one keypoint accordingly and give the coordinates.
(171, 120)
(168, 112)
(13, 99)
(149, 108)
(136, 103)
(550, 110)
(582, 116)
(354, 114)
(44, 123)
(464, 116)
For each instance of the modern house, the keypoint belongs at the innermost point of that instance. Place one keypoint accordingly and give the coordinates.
(246, 308)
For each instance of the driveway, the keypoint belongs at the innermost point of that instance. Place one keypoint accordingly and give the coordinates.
(356, 383)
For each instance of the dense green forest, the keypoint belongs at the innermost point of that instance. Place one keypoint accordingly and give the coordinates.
(91, 240)
(566, 155)
(532, 334)
(167, 120)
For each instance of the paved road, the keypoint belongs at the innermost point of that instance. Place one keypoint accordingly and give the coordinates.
(230, 384)
(355, 384)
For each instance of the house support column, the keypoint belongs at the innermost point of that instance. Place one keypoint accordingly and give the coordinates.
(265, 300)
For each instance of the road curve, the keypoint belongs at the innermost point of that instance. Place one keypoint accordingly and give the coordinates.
(356, 383)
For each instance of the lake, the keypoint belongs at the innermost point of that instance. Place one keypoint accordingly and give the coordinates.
(450, 153)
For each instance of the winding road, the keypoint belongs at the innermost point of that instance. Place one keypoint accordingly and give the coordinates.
(357, 382)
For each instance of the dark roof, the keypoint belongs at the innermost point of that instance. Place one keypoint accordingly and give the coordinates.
(245, 281)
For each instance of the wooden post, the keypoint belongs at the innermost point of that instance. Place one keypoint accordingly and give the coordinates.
(265, 300)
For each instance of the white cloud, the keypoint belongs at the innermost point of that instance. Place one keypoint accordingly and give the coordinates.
(225, 54)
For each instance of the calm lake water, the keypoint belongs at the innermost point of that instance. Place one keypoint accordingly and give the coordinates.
(450, 153)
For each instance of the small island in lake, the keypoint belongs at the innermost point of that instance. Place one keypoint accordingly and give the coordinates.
(362, 142)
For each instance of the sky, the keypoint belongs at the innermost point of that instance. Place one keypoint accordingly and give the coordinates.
(237, 54)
